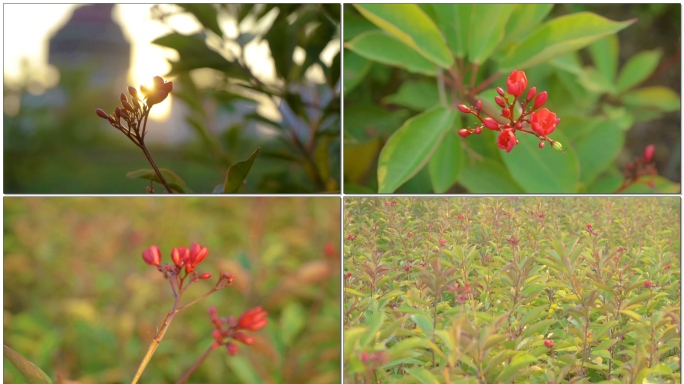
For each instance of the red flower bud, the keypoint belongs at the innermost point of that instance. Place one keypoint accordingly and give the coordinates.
(123, 97)
(500, 91)
(463, 108)
(463, 132)
(506, 112)
(205, 275)
(548, 343)
(101, 113)
(133, 92)
(541, 99)
(247, 340)
(541, 144)
(478, 105)
(442, 242)
(516, 82)
(478, 130)
(152, 256)
(647, 284)
(531, 93)
(490, 123)
(232, 349)
(500, 102)
(253, 319)
(649, 151)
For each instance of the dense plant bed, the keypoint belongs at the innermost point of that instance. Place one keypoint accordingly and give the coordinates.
(507, 289)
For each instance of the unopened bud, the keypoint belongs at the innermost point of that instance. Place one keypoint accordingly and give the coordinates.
(557, 146)
(124, 114)
(123, 97)
(499, 101)
(478, 105)
(463, 132)
(505, 112)
(557, 120)
(490, 123)
(136, 104)
(127, 105)
(133, 92)
(500, 91)
(205, 275)
(478, 130)
(101, 113)
(541, 144)
(541, 100)
(649, 151)
(463, 108)
(531, 93)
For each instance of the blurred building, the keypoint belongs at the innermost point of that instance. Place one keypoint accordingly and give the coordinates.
(91, 41)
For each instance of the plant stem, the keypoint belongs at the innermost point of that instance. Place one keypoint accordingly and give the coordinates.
(156, 170)
(191, 370)
(155, 342)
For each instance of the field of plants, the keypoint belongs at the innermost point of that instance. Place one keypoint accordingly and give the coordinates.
(80, 301)
(508, 289)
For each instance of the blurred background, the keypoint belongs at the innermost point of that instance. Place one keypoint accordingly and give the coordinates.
(80, 302)
(246, 76)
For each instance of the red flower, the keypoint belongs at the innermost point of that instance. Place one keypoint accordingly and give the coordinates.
(667, 266)
(253, 319)
(548, 343)
(442, 242)
(410, 234)
(152, 255)
(543, 122)
(647, 284)
(329, 250)
(507, 140)
(516, 82)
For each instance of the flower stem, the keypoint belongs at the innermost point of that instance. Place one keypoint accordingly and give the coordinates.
(191, 370)
(155, 343)
(156, 170)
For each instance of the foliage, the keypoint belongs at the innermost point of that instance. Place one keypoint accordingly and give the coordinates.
(79, 301)
(456, 54)
(500, 290)
(300, 149)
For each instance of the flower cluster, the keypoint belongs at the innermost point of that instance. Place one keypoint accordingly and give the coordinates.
(374, 359)
(185, 261)
(532, 119)
(460, 293)
(137, 109)
(228, 329)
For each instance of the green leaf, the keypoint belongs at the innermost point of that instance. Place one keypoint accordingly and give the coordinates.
(605, 54)
(292, 321)
(175, 182)
(424, 323)
(417, 95)
(355, 70)
(598, 150)
(384, 48)
(194, 53)
(422, 375)
(206, 14)
(653, 184)
(543, 170)
(488, 22)
(515, 367)
(660, 98)
(487, 176)
(28, 371)
(524, 18)
(445, 164)
(632, 314)
(454, 22)
(410, 344)
(412, 26)
(243, 368)
(637, 69)
(559, 36)
(373, 323)
(411, 146)
(235, 177)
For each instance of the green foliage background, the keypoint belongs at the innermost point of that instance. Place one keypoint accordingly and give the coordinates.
(80, 302)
